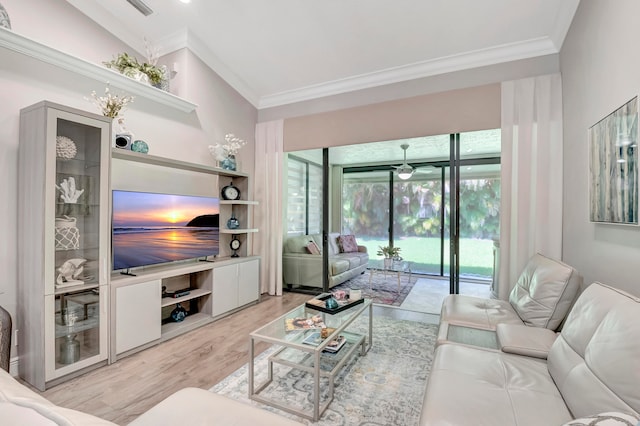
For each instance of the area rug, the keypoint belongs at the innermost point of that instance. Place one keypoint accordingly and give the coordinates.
(385, 387)
(384, 288)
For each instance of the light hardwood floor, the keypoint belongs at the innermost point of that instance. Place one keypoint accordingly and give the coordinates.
(122, 391)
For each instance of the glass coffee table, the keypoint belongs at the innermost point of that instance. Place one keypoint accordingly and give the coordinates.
(292, 352)
(397, 267)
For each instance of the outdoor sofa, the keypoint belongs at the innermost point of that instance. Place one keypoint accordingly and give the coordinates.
(302, 268)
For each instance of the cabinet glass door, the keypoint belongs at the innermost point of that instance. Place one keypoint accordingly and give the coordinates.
(78, 274)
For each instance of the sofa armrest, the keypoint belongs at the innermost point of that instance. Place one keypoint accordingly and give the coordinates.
(200, 407)
(525, 340)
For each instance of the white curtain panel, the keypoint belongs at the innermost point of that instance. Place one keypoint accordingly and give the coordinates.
(267, 216)
(531, 177)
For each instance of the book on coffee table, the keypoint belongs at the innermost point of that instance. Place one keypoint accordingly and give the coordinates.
(315, 339)
(304, 323)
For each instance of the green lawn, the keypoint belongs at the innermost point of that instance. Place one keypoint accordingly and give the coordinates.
(476, 256)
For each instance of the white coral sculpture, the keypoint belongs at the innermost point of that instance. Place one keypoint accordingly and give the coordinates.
(69, 192)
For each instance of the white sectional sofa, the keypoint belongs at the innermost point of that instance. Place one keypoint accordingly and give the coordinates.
(20, 406)
(541, 297)
(300, 268)
(589, 370)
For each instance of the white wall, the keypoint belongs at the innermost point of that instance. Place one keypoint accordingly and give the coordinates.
(599, 62)
(169, 133)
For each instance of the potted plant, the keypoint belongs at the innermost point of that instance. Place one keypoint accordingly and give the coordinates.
(390, 253)
(129, 66)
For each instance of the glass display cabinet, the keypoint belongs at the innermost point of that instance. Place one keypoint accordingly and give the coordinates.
(63, 239)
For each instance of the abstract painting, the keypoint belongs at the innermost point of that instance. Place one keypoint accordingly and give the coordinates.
(613, 166)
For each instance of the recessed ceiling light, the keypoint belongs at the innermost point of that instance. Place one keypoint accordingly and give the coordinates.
(185, 1)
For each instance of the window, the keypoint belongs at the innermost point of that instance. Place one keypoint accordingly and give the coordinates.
(304, 197)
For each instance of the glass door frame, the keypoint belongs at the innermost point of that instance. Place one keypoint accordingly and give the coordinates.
(454, 202)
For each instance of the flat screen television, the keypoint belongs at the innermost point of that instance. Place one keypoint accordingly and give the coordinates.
(152, 228)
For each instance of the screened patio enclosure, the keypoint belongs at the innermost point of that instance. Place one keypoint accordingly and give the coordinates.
(363, 195)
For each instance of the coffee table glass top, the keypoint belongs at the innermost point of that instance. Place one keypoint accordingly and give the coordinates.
(395, 266)
(276, 330)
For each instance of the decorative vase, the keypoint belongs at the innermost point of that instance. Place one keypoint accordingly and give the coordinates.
(233, 223)
(388, 262)
(179, 313)
(69, 350)
(140, 146)
(229, 163)
(67, 235)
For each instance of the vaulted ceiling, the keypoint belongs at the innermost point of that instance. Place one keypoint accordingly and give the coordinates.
(276, 52)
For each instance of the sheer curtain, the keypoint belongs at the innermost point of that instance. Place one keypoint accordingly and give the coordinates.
(267, 216)
(531, 196)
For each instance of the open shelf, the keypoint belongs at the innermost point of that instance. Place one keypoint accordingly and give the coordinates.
(176, 164)
(193, 294)
(26, 46)
(238, 231)
(239, 202)
(173, 329)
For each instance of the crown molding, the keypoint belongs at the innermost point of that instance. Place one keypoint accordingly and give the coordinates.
(490, 56)
(566, 11)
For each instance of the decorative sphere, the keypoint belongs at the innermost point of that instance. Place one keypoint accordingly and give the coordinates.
(140, 146)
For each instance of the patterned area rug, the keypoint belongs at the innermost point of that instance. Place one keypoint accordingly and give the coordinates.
(385, 387)
(384, 288)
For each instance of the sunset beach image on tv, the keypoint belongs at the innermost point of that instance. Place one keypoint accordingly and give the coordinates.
(151, 228)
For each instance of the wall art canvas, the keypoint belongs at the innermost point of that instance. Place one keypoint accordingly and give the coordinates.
(613, 166)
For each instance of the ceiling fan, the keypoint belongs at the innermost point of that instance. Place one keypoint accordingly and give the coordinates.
(405, 170)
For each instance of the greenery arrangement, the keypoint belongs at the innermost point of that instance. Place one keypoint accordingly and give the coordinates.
(129, 66)
(389, 252)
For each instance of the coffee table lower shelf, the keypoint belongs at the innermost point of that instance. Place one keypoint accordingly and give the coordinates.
(316, 364)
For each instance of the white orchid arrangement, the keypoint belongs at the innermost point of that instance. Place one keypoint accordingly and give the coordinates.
(231, 147)
(111, 105)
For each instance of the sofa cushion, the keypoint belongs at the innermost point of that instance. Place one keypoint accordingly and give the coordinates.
(339, 265)
(347, 244)
(598, 350)
(313, 248)
(544, 292)
(298, 244)
(332, 243)
(477, 312)
(472, 386)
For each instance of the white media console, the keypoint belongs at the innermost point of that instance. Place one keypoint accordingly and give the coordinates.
(141, 316)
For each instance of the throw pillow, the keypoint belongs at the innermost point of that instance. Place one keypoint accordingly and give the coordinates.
(313, 248)
(605, 419)
(347, 243)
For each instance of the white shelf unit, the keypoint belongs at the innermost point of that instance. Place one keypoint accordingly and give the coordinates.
(209, 288)
(28, 47)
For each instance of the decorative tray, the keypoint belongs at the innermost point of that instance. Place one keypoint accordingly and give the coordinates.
(317, 303)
